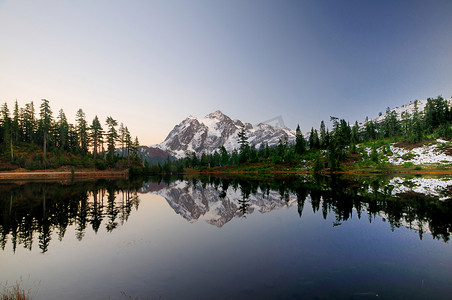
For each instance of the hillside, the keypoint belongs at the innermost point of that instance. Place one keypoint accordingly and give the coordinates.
(407, 109)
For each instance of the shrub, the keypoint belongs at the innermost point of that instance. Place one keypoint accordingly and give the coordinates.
(408, 156)
(407, 164)
(14, 292)
(100, 165)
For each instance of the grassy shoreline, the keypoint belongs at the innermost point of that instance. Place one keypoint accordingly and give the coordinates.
(21, 174)
(349, 170)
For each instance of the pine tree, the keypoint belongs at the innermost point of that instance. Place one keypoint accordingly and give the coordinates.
(244, 146)
(391, 125)
(355, 133)
(72, 139)
(323, 135)
(121, 138)
(63, 131)
(112, 135)
(224, 156)
(314, 141)
(128, 144)
(15, 123)
(371, 131)
(136, 146)
(45, 123)
(300, 143)
(417, 129)
(82, 131)
(7, 132)
(96, 135)
(28, 122)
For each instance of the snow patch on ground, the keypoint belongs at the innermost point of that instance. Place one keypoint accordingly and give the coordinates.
(433, 153)
(427, 154)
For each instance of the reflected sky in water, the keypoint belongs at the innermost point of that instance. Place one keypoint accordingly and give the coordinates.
(275, 254)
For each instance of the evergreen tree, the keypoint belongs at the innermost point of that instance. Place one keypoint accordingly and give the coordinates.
(135, 146)
(300, 143)
(417, 130)
(323, 136)
(371, 132)
(314, 142)
(112, 136)
(6, 133)
(342, 133)
(45, 123)
(224, 156)
(244, 146)
(62, 131)
(96, 135)
(128, 143)
(391, 124)
(355, 133)
(406, 125)
(122, 138)
(82, 131)
(28, 122)
(72, 139)
(16, 135)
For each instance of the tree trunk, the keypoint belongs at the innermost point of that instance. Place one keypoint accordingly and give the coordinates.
(45, 145)
(12, 150)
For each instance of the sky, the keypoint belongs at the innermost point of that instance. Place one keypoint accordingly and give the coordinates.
(151, 64)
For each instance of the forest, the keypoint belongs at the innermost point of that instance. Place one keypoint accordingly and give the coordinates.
(329, 150)
(35, 140)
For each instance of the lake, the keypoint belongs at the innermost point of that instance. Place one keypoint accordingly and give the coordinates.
(284, 237)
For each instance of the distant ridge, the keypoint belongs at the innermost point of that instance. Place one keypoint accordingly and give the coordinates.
(152, 155)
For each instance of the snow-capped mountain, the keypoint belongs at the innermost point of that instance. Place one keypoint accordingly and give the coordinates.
(215, 130)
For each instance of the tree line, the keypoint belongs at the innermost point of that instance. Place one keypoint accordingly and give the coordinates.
(329, 148)
(25, 130)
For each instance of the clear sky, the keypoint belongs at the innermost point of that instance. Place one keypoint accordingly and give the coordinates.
(150, 64)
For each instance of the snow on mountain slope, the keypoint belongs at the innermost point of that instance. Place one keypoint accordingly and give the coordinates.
(408, 108)
(208, 134)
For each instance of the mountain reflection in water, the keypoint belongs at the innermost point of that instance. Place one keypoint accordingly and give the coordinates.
(40, 209)
(421, 204)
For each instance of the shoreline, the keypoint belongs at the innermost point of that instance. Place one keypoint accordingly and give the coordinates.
(339, 172)
(52, 174)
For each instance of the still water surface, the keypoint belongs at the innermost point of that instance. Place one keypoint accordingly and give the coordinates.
(219, 238)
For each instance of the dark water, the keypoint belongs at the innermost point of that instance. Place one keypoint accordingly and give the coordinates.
(298, 237)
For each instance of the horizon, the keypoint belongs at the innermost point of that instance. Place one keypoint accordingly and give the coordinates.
(152, 64)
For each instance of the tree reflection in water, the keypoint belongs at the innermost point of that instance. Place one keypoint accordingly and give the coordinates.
(47, 207)
(41, 209)
(219, 200)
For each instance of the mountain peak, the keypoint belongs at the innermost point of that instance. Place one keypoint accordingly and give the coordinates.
(208, 134)
(216, 115)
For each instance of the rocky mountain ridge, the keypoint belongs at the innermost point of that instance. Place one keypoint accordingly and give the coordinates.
(208, 134)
